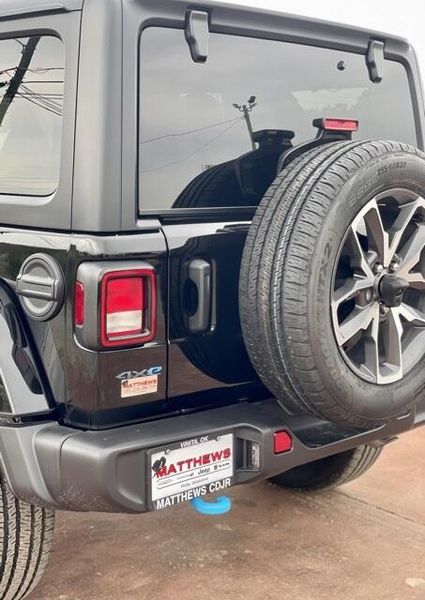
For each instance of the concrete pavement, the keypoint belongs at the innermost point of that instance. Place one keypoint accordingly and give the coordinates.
(364, 541)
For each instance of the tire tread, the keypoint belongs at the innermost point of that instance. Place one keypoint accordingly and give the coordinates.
(27, 536)
(348, 466)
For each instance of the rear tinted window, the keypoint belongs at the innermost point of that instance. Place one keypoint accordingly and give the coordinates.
(31, 98)
(195, 148)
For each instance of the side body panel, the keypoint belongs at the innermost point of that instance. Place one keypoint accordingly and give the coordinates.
(82, 387)
(29, 346)
(94, 394)
(49, 369)
(46, 340)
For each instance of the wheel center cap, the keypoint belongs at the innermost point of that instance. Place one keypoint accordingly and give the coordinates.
(391, 289)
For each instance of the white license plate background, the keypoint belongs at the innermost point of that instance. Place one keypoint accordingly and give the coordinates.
(190, 467)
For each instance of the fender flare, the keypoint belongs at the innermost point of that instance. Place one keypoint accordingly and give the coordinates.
(24, 389)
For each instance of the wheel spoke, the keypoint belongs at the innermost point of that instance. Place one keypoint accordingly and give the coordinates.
(377, 236)
(358, 258)
(407, 211)
(359, 319)
(411, 314)
(410, 254)
(392, 333)
(371, 364)
(350, 289)
(416, 280)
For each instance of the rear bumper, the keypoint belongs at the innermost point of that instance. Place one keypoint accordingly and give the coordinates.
(108, 471)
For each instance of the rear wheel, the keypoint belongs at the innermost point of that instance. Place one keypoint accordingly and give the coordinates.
(331, 471)
(25, 543)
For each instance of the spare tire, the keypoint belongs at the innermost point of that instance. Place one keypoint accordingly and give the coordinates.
(332, 286)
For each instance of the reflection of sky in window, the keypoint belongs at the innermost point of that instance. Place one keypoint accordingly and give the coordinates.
(30, 135)
(321, 99)
(293, 84)
(381, 15)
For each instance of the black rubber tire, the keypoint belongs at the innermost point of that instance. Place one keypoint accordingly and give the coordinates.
(330, 472)
(218, 186)
(25, 543)
(286, 277)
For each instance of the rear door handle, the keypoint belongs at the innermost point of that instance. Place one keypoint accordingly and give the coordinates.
(200, 275)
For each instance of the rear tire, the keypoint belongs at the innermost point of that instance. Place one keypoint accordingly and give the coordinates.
(25, 544)
(330, 472)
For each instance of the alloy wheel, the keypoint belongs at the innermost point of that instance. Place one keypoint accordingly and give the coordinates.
(378, 293)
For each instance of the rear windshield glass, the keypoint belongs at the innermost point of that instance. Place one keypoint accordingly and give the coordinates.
(211, 134)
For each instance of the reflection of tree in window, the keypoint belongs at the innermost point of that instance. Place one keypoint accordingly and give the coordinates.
(230, 123)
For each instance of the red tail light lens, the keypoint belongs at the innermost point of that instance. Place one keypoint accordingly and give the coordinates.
(127, 307)
(79, 305)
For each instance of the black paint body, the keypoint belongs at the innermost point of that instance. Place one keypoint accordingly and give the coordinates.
(95, 216)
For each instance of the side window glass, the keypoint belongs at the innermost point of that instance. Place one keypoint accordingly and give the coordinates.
(31, 101)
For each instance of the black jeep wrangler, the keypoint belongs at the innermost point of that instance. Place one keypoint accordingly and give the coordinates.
(212, 257)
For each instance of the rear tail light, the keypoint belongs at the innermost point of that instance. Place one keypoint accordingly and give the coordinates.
(127, 307)
(114, 307)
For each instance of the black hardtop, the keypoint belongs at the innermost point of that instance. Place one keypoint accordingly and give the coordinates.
(9, 8)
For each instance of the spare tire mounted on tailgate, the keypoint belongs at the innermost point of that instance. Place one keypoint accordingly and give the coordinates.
(332, 290)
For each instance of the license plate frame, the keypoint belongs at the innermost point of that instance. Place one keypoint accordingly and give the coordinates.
(191, 468)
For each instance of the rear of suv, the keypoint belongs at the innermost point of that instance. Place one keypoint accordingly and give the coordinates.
(211, 257)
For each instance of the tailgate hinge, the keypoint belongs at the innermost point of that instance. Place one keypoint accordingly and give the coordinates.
(375, 60)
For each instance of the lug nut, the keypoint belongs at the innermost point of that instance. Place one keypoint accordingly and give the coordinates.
(368, 295)
(383, 309)
(393, 267)
(378, 268)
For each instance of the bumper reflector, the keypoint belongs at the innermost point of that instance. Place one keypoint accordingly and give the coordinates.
(282, 442)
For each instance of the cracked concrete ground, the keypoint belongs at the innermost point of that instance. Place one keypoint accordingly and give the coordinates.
(364, 541)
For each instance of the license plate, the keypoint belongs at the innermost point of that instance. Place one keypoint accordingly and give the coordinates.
(190, 469)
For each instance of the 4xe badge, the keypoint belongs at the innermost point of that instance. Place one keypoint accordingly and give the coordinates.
(138, 383)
